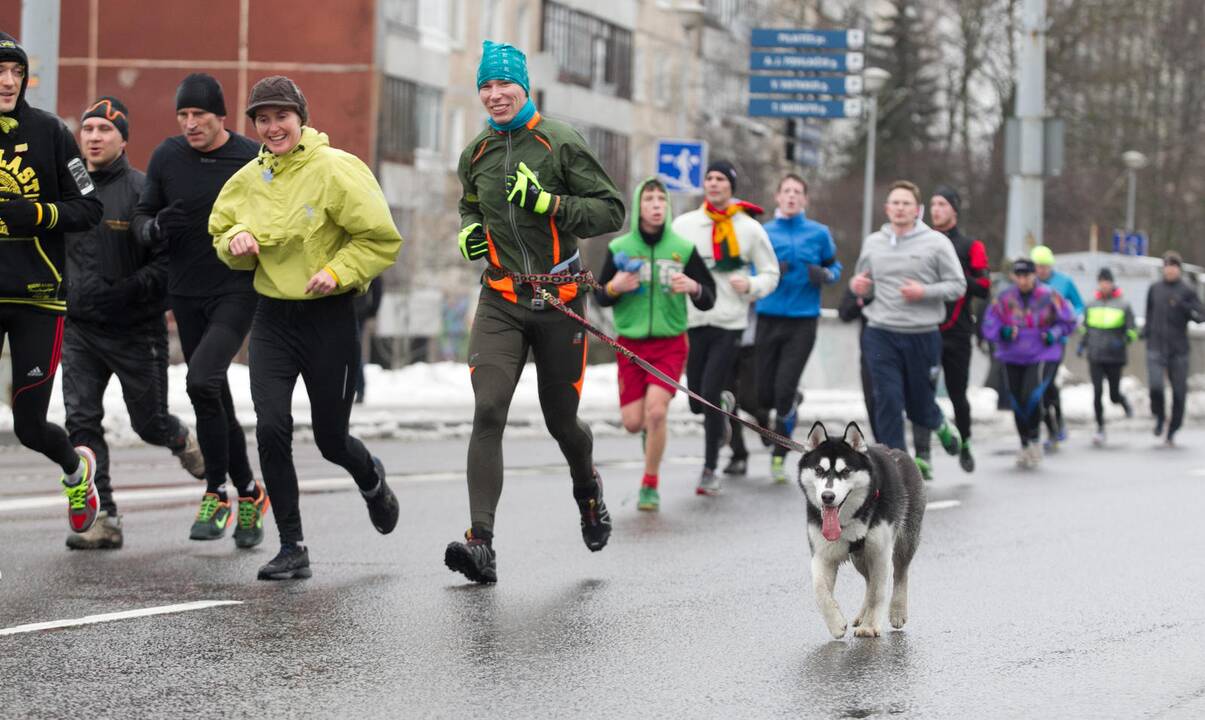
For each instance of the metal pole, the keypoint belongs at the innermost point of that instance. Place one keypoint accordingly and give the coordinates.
(40, 38)
(1131, 196)
(1026, 188)
(868, 174)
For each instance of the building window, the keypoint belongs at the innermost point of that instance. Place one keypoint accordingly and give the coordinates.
(589, 51)
(410, 119)
(611, 149)
(400, 12)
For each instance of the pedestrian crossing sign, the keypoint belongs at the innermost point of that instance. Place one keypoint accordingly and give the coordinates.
(680, 165)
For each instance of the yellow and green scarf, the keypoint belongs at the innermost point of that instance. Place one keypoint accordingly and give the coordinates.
(725, 246)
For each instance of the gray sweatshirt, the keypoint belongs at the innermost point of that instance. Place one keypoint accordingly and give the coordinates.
(923, 255)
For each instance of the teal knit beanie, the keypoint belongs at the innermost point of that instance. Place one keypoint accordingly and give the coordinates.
(500, 61)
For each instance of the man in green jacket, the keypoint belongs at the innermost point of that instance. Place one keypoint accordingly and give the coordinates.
(531, 188)
(647, 277)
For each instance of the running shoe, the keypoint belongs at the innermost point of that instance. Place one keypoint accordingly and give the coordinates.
(737, 466)
(650, 499)
(922, 464)
(1098, 438)
(212, 518)
(778, 469)
(189, 455)
(965, 459)
(474, 558)
(250, 529)
(596, 521)
(292, 562)
(950, 442)
(382, 503)
(709, 483)
(83, 504)
(105, 534)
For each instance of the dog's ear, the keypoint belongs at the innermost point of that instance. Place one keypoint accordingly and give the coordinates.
(816, 436)
(854, 438)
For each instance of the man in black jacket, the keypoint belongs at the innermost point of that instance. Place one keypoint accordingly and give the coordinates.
(44, 191)
(1170, 305)
(115, 303)
(213, 305)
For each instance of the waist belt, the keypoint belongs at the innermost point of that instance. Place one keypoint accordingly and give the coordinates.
(565, 273)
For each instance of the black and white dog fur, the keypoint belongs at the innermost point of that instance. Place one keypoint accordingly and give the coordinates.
(864, 504)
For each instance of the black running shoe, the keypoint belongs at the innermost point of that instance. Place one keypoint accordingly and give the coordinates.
(596, 521)
(965, 459)
(382, 504)
(474, 558)
(737, 466)
(291, 562)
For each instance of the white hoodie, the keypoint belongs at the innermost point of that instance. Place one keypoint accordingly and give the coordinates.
(731, 310)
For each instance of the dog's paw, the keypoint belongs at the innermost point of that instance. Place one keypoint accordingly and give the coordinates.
(837, 627)
(898, 615)
(858, 618)
(867, 631)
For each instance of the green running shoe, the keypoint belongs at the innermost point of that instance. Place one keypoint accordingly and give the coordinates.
(250, 529)
(926, 471)
(950, 442)
(778, 470)
(649, 500)
(212, 518)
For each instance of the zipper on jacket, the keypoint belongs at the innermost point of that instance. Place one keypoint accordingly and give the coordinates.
(510, 209)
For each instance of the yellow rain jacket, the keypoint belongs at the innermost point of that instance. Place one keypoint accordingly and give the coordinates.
(314, 207)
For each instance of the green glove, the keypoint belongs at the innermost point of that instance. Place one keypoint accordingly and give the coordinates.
(523, 189)
(473, 244)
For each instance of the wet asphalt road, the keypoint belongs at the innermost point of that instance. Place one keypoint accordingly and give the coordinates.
(1071, 592)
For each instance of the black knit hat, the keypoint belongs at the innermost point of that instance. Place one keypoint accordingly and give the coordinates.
(1104, 274)
(111, 109)
(11, 51)
(724, 168)
(203, 91)
(1024, 266)
(277, 91)
(951, 196)
(1171, 257)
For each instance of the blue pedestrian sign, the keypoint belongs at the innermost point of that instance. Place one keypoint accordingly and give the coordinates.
(815, 39)
(812, 62)
(797, 85)
(760, 107)
(1129, 243)
(680, 165)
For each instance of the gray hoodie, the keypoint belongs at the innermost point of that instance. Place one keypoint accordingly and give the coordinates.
(923, 255)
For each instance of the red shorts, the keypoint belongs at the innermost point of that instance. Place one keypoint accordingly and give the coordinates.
(666, 354)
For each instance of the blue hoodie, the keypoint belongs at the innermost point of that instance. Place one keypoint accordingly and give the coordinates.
(798, 243)
(1062, 284)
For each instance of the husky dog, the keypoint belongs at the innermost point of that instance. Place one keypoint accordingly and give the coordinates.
(864, 504)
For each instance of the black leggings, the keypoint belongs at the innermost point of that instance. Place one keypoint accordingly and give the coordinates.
(35, 339)
(784, 345)
(713, 352)
(503, 334)
(743, 384)
(1052, 403)
(1099, 373)
(317, 340)
(956, 369)
(211, 332)
(1026, 386)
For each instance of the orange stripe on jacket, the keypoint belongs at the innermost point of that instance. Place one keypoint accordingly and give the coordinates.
(489, 240)
(505, 285)
(556, 242)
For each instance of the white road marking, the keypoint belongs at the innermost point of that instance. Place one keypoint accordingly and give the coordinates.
(124, 615)
(943, 504)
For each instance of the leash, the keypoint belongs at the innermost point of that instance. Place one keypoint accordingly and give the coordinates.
(587, 278)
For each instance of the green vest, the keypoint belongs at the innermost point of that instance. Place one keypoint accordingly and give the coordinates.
(654, 310)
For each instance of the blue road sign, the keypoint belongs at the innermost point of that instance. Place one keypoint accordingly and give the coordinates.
(1129, 243)
(814, 62)
(848, 85)
(760, 107)
(680, 164)
(818, 39)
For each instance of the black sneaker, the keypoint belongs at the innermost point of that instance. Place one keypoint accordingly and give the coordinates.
(1158, 426)
(737, 466)
(382, 503)
(291, 562)
(965, 459)
(474, 558)
(596, 521)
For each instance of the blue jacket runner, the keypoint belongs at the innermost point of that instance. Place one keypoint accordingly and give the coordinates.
(799, 243)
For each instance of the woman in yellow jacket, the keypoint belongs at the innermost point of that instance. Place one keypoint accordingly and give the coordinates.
(312, 223)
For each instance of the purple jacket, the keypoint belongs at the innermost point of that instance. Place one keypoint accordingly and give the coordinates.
(1031, 317)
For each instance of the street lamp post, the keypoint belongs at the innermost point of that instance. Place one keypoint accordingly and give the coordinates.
(1134, 161)
(873, 80)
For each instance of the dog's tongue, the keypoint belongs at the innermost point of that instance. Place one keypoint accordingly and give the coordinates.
(831, 526)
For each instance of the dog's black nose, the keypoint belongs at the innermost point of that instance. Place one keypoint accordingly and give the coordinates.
(827, 497)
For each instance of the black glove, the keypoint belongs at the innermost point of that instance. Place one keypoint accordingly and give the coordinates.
(18, 213)
(817, 275)
(171, 221)
(117, 298)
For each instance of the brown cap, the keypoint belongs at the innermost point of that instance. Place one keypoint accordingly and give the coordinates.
(277, 91)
